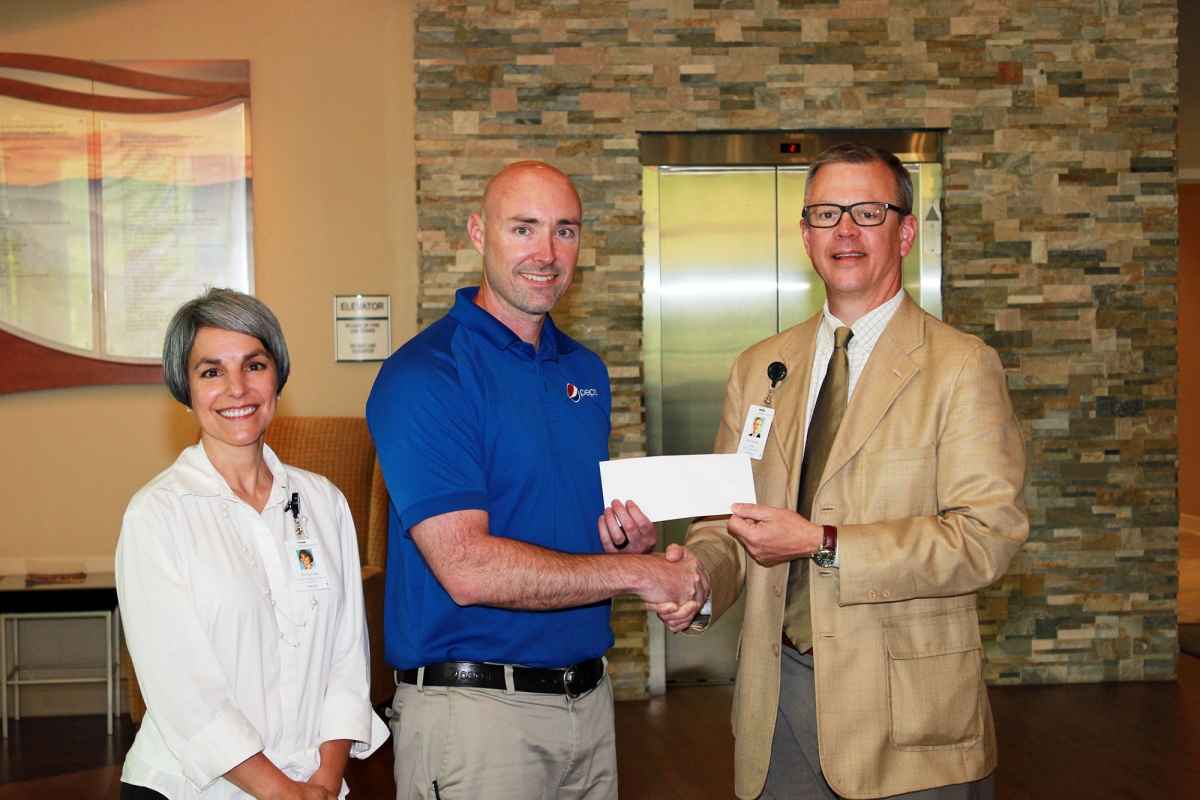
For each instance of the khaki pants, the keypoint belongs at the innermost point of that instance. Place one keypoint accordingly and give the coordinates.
(480, 744)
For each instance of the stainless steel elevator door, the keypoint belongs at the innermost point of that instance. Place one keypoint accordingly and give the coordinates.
(717, 288)
(801, 293)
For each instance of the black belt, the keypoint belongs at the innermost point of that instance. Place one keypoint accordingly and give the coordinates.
(572, 681)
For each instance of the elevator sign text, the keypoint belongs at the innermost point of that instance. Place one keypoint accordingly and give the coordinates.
(362, 326)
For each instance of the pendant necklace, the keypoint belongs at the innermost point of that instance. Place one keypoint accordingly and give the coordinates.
(266, 590)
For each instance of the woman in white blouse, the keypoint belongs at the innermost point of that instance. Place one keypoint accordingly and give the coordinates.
(255, 672)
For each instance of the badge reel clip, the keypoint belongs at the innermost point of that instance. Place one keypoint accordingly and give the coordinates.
(297, 520)
(776, 371)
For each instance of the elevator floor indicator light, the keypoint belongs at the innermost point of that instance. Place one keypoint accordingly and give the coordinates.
(931, 227)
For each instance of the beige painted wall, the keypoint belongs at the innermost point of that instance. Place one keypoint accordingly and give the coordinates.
(334, 213)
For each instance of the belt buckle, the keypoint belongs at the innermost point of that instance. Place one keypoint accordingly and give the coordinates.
(568, 676)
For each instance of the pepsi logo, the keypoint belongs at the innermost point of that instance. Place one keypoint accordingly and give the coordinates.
(574, 393)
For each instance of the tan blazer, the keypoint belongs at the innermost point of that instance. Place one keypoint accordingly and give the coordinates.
(925, 484)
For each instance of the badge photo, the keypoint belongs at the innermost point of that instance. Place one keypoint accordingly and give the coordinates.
(308, 565)
(756, 430)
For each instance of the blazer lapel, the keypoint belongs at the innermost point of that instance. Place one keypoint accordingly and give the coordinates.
(886, 373)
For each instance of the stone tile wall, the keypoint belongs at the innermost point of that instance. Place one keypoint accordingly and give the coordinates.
(1060, 236)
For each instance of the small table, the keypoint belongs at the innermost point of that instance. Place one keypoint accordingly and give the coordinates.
(95, 598)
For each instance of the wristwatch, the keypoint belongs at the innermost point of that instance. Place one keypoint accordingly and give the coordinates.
(828, 552)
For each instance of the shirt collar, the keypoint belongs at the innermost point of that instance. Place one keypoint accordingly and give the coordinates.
(194, 474)
(500, 335)
(869, 326)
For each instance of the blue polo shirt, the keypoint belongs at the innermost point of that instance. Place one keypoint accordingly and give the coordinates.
(467, 416)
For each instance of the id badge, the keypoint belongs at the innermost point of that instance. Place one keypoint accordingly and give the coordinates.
(755, 431)
(308, 565)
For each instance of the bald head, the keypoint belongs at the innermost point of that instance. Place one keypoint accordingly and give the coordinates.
(524, 175)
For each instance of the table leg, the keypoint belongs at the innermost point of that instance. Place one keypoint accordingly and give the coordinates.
(16, 669)
(117, 650)
(108, 668)
(4, 673)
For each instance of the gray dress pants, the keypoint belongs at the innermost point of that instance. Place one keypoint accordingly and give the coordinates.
(795, 771)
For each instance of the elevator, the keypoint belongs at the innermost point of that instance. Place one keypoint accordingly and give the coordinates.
(725, 268)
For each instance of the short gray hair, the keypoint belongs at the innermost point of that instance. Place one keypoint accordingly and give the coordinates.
(863, 153)
(228, 310)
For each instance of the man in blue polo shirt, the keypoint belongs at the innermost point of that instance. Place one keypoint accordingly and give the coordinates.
(490, 426)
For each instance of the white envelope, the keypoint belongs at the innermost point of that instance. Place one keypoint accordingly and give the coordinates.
(679, 487)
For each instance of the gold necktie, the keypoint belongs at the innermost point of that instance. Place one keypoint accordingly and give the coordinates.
(822, 430)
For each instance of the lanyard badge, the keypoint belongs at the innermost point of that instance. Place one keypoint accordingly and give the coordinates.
(757, 427)
(308, 565)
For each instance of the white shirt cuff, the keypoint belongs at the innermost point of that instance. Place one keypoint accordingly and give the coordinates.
(226, 742)
(353, 718)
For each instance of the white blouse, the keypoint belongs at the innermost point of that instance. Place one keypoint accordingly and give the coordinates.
(225, 674)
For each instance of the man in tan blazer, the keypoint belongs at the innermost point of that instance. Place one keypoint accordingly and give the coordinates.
(917, 508)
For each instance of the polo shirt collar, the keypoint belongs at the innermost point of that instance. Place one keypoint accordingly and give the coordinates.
(471, 316)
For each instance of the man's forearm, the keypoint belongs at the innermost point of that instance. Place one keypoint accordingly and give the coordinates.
(519, 575)
(476, 568)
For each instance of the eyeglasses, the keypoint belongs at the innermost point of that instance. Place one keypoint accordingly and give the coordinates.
(866, 215)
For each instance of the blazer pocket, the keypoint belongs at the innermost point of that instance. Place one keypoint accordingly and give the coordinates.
(935, 692)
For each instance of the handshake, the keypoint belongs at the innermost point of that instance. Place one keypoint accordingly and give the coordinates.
(676, 585)
(673, 584)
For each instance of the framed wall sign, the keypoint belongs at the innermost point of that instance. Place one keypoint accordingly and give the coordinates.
(362, 327)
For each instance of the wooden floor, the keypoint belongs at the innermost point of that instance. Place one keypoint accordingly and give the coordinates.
(1089, 741)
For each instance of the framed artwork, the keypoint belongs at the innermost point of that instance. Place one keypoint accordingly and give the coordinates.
(125, 189)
